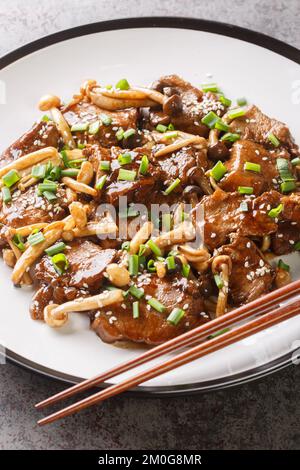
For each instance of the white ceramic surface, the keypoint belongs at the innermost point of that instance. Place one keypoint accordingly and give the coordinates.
(141, 55)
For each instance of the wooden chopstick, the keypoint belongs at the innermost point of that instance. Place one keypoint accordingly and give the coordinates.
(260, 305)
(254, 326)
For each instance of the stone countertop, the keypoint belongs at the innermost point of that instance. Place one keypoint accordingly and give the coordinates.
(258, 415)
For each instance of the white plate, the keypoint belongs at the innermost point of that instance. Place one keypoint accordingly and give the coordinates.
(137, 50)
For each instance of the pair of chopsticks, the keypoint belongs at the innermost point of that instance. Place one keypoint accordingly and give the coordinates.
(267, 305)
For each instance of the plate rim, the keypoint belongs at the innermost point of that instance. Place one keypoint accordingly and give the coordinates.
(178, 22)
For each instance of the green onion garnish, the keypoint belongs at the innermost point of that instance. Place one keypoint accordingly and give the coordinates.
(101, 182)
(131, 212)
(120, 134)
(171, 265)
(222, 126)
(142, 249)
(80, 127)
(123, 84)
(133, 265)
(297, 246)
(218, 171)
(6, 195)
(156, 305)
(94, 127)
(276, 211)
(161, 128)
(218, 333)
(150, 266)
(54, 173)
(249, 166)
(49, 196)
(126, 175)
(295, 161)
(172, 187)
(125, 158)
(45, 118)
(186, 270)
(287, 186)
(237, 112)
(284, 170)
(35, 238)
(213, 87)
(54, 249)
(225, 101)
(11, 178)
(129, 133)
(106, 120)
(175, 316)
(138, 293)
(171, 135)
(219, 282)
(241, 101)
(104, 165)
(60, 263)
(81, 146)
(135, 309)
(70, 172)
(125, 246)
(245, 189)
(171, 127)
(166, 222)
(273, 139)
(210, 119)
(282, 265)
(144, 165)
(47, 185)
(39, 171)
(154, 248)
(230, 137)
(18, 240)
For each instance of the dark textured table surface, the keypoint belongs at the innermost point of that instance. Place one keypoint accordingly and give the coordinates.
(258, 415)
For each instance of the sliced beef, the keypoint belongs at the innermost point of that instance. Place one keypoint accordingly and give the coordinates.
(224, 214)
(256, 126)
(288, 233)
(184, 107)
(106, 136)
(116, 322)
(41, 135)
(246, 151)
(251, 275)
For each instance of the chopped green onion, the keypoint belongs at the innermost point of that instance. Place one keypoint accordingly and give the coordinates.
(81, 146)
(171, 265)
(125, 158)
(45, 118)
(64, 157)
(218, 171)
(138, 293)
(161, 128)
(94, 127)
(123, 84)
(104, 165)
(243, 206)
(108, 87)
(237, 112)
(219, 282)
(126, 175)
(129, 133)
(276, 211)
(166, 222)
(245, 189)
(241, 101)
(282, 265)
(154, 248)
(60, 263)
(142, 249)
(131, 212)
(70, 172)
(273, 139)
(230, 137)
(133, 265)
(218, 333)
(287, 186)
(125, 246)
(171, 127)
(175, 316)
(54, 173)
(80, 127)
(47, 185)
(210, 119)
(11, 178)
(150, 266)
(120, 133)
(101, 182)
(297, 246)
(159, 307)
(39, 171)
(222, 126)
(57, 248)
(35, 238)
(144, 165)
(135, 309)
(284, 170)
(18, 240)
(295, 161)
(186, 270)
(6, 195)
(172, 187)
(171, 135)
(225, 101)
(49, 196)
(213, 87)
(106, 120)
(249, 166)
